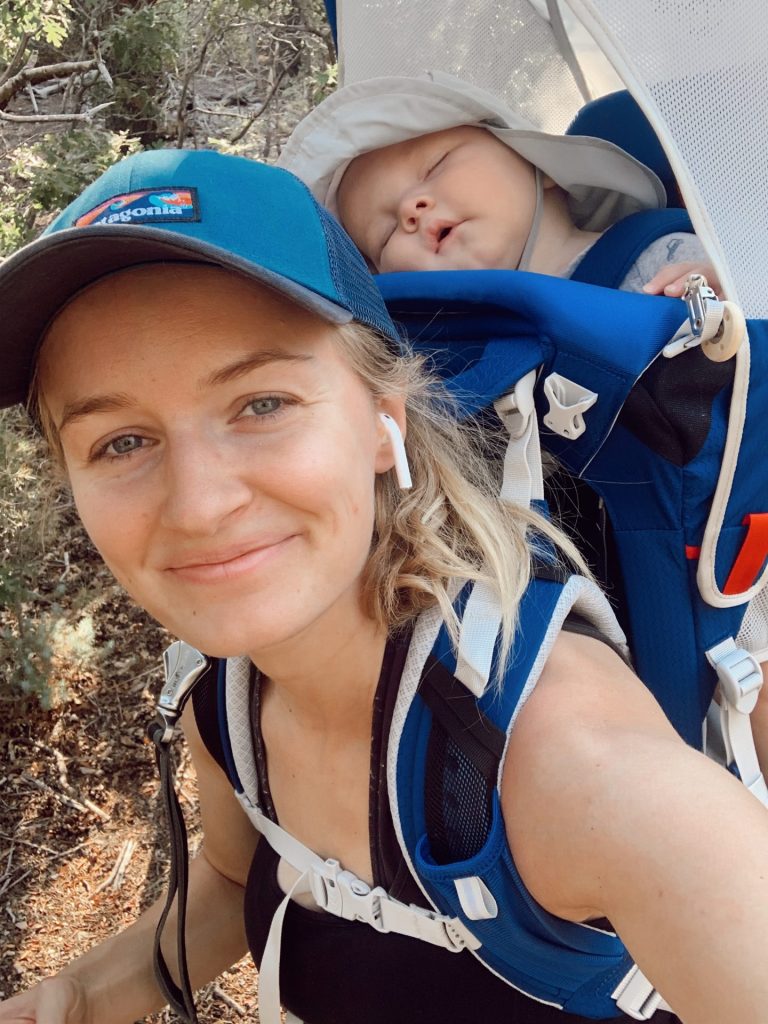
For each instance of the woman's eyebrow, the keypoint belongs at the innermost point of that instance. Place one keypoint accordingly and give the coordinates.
(120, 400)
(240, 367)
(93, 404)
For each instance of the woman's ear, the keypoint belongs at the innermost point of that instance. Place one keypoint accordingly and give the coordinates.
(392, 453)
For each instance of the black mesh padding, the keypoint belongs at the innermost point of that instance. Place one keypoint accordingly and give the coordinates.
(457, 801)
(463, 758)
(670, 407)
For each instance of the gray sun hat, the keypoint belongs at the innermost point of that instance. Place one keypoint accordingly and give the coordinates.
(603, 182)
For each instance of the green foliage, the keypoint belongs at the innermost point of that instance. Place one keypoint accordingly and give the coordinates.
(47, 20)
(325, 81)
(141, 47)
(46, 176)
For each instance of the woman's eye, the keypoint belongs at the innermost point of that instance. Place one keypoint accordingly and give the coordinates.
(121, 446)
(262, 407)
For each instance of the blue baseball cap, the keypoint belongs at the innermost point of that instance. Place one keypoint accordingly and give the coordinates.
(184, 205)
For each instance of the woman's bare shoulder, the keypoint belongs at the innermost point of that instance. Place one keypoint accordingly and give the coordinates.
(572, 761)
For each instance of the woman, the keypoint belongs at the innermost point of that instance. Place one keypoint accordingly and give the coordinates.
(215, 369)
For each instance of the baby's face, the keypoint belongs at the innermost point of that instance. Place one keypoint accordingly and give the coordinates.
(453, 200)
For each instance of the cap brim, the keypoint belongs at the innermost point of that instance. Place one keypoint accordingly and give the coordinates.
(42, 277)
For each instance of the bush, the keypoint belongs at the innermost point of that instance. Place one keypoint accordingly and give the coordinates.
(29, 513)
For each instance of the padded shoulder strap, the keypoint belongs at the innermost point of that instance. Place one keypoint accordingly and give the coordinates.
(611, 257)
(577, 967)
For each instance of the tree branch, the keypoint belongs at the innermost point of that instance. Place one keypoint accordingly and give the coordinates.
(18, 58)
(33, 76)
(269, 97)
(87, 115)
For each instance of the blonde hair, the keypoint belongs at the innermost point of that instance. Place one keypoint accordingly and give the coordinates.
(452, 525)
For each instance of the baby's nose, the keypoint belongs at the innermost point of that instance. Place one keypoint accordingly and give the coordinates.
(412, 208)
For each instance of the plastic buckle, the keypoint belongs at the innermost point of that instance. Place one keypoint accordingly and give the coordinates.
(568, 401)
(344, 895)
(636, 996)
(740, 678)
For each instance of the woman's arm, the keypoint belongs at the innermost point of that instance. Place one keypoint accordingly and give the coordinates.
(114, 982)
(610, 814)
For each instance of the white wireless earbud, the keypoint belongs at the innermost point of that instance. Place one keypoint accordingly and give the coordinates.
(402, 469)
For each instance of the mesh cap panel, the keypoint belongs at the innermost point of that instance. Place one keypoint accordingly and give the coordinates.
(352, 278)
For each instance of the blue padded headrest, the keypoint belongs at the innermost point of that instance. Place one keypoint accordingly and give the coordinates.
(618, 119)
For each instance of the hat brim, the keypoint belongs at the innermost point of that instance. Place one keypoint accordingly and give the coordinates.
(42, 277)
(604, 183)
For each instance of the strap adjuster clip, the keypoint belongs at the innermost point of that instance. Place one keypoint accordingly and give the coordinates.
(740, 678)
(184, 665)
(637, 997)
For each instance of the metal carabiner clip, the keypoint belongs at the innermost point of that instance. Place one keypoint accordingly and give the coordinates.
(183, 665)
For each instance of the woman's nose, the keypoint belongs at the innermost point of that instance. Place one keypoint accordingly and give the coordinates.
(412, 209)
(202, 490)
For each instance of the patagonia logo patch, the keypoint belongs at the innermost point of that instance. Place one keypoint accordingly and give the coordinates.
(145, 206)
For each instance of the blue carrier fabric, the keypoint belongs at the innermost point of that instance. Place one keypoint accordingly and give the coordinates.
(657, 445)
(652, 449)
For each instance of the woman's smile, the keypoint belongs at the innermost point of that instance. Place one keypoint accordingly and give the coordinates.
(233, 564)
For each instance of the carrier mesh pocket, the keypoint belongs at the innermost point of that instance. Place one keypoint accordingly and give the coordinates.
(463, 757)
(457, 801)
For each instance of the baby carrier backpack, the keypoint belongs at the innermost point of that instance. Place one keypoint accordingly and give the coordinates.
(653, 405)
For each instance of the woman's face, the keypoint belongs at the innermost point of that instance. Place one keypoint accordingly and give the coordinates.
(221, 452)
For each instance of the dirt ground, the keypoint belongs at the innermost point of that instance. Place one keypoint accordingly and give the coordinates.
(83, 843)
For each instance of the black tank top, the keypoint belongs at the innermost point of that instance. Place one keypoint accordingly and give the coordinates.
(334, 971)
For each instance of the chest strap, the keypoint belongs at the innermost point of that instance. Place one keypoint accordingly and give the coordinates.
(344, 895)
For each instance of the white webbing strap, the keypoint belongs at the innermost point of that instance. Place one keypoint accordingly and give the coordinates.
(344, 895)
(269, 971)
(740, 678)
(637, 997)
(522, 482)
(523, 479)
(705, 574)
(238, 705)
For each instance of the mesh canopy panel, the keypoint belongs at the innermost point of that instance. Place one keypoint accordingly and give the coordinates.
(754, 629)
(506, 47)
(699, 69)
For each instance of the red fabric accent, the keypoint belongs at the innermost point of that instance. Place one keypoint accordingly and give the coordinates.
(692, 553)
(750, 560)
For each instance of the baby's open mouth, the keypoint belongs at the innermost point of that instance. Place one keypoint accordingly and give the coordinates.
(443, 233)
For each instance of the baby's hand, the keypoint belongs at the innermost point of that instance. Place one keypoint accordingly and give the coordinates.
(671, 279)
